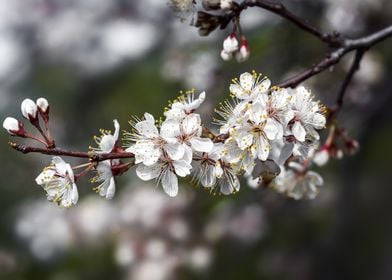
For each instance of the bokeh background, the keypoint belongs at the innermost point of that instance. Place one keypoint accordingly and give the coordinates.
(96, 60)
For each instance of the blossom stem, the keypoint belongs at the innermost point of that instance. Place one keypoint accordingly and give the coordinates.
(28, 135)
(83, 172)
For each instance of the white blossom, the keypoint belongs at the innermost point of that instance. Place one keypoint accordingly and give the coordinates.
(307, 114)
(185, 105)
(205, 165)
(228, 182)
(105, 177)
(249, 85)
(188, 133)
(106, 142)
(59, 183)
(297, 182)
(150, 145)
(165, 171)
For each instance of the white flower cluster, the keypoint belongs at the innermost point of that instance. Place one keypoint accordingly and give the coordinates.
(167, 152)
(262, 123)
(269, 123)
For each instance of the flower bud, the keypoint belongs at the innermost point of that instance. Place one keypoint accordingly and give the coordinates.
(321, 157)
(351, 147)
(226, 4)
(211, 4)
(225, 55)
(43, 105)
(29, 109)
(243, 53)
(13, 126)
(230, 44)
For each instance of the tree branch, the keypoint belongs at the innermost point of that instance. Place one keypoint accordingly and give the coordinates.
(361, 44)
(60, 152)
(332, 39)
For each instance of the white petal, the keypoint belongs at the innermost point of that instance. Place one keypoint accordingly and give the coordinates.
(262, 87)
(74, 194)
(263, 149)
(170, 128)
(61, 165)
(238, 91)
(152, 156)
(107, 143)
(147, 129)
(299, 131)
(182, 168)
(116, 129)
(148, 172)
(202, 144)
(192, 124)
(286, 152)
(246, 81)
(273, 129)
(315, 178)
(209, 177)
(318, 121)
(111, 189)
(175, 150)
(149, 118)
(170, 183)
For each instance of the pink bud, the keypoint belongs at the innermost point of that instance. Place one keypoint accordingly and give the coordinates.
(230, 44)
(321, 157)
(29, 109)
(13, 126)
(43, 105)
(243, 53)
(225, 55)
(351, 147)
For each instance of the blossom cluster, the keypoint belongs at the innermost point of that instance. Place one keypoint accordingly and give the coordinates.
(272, 124)
(267, 134)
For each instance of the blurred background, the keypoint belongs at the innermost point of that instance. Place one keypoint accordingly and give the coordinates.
(96, 60)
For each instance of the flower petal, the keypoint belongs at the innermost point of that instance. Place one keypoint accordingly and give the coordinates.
(299, 131)
(246, 81)
(202, 144)
(182, 168)
(148, 172)
(192, 124)
(170, 128)
(170, 183)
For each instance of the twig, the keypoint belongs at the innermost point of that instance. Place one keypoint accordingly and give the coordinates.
(353, 69)
(332, 39)
(60, 152)
(333, 58)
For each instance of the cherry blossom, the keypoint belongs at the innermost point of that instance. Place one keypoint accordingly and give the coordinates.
(59, 183)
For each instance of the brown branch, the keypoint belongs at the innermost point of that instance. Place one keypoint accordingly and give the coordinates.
(332, 39)
(60, 152)
(361, 44)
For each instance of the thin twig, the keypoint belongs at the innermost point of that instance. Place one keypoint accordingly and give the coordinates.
(333, 58)
(332, 39)
(60, 152)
